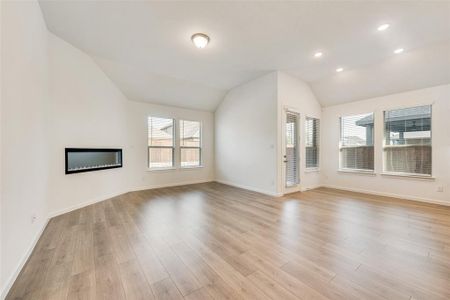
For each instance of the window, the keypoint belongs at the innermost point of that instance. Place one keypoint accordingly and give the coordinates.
(407, 140)
(291, 156)
(356, 145)
(161, 143)
(190, 143)
(312, 142)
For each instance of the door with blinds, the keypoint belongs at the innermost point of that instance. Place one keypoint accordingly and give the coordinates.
(291, 153)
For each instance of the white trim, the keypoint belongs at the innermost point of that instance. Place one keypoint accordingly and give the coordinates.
(192, 167)
(161, 169)
(311, 170)
(409, 176)
(358, 172)
(308, 188)
(393, 195)
(112, 195)
(84, 204)
(10, 281)
(250, 188)
(173, 184)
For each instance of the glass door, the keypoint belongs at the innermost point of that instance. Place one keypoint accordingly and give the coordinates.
(291, 159)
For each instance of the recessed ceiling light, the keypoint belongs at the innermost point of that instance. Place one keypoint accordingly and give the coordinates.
(398, 51)
(339, 70)
(383, 27)
(318, 54)
(200, 40)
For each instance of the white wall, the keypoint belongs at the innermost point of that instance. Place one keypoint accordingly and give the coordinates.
(425, 190)
(140, 176)
(294, 94)
(86, 110)
(249, 132)
(246, 136)
(55, 96)
(24, 141)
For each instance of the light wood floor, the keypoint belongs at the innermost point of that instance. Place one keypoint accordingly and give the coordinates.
(212, 241)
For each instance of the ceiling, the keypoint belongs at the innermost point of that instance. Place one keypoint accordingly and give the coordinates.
(145, 47)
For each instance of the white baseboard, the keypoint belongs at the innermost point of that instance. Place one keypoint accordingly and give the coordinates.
(84, 204)
(307, 188)
(250, 188)
(393, 195)
(112, 195)
(10, 281)
(158, 186)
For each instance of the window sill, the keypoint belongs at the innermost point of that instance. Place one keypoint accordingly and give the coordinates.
(174, 168)
(358, 172)
(160, 169)
(191, 167)
(312, 170)
(409, 176)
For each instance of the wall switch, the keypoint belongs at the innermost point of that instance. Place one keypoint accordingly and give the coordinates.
(440, 189)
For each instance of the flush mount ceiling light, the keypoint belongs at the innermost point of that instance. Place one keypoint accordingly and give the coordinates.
(200, 40)
(383, 27)
(398, 51)
(318, 54)
(339, 70)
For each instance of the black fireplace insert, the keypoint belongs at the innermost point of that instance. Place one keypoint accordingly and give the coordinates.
(92, 159)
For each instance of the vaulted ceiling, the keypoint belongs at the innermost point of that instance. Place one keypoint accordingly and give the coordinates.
(145, 47)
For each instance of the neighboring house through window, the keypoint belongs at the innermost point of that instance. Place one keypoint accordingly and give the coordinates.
(356, 143)
(407, 140)
(190, 143)
(161, 143)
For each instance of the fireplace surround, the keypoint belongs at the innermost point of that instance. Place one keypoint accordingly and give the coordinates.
(92, 159)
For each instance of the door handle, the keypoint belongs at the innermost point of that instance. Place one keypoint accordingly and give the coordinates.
(285, 161)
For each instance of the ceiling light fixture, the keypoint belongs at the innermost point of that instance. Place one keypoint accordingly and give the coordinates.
(339, 70)
(398, 51)
(200, 40)
(383, 27)
(318, 54)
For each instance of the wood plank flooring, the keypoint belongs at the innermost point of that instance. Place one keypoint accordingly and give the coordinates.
(212, 241)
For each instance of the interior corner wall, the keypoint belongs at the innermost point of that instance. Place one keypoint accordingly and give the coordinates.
(24, 138)
(246, 136)
(87, 110)
(411, 188)
(294, 94)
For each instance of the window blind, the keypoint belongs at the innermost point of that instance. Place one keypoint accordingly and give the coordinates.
(312, 140)
(291, 158)
(407, 140)
(356, 145)
(161, 143)
(190, 143)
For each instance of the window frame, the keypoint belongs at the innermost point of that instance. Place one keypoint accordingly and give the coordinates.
(317, 167)
(173, 147)
(357, 170)
(200, 147)
(384, 146)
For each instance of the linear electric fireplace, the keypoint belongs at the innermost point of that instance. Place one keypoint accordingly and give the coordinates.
(92, 159)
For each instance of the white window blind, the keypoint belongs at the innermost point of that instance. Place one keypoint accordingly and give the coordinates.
(190, 143)
(407, 140)
(312, 141)
(161, 144)
(356, 145)
(291, 157)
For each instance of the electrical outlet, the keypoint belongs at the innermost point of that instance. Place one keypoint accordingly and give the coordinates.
(440, 189)
(33, 218)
